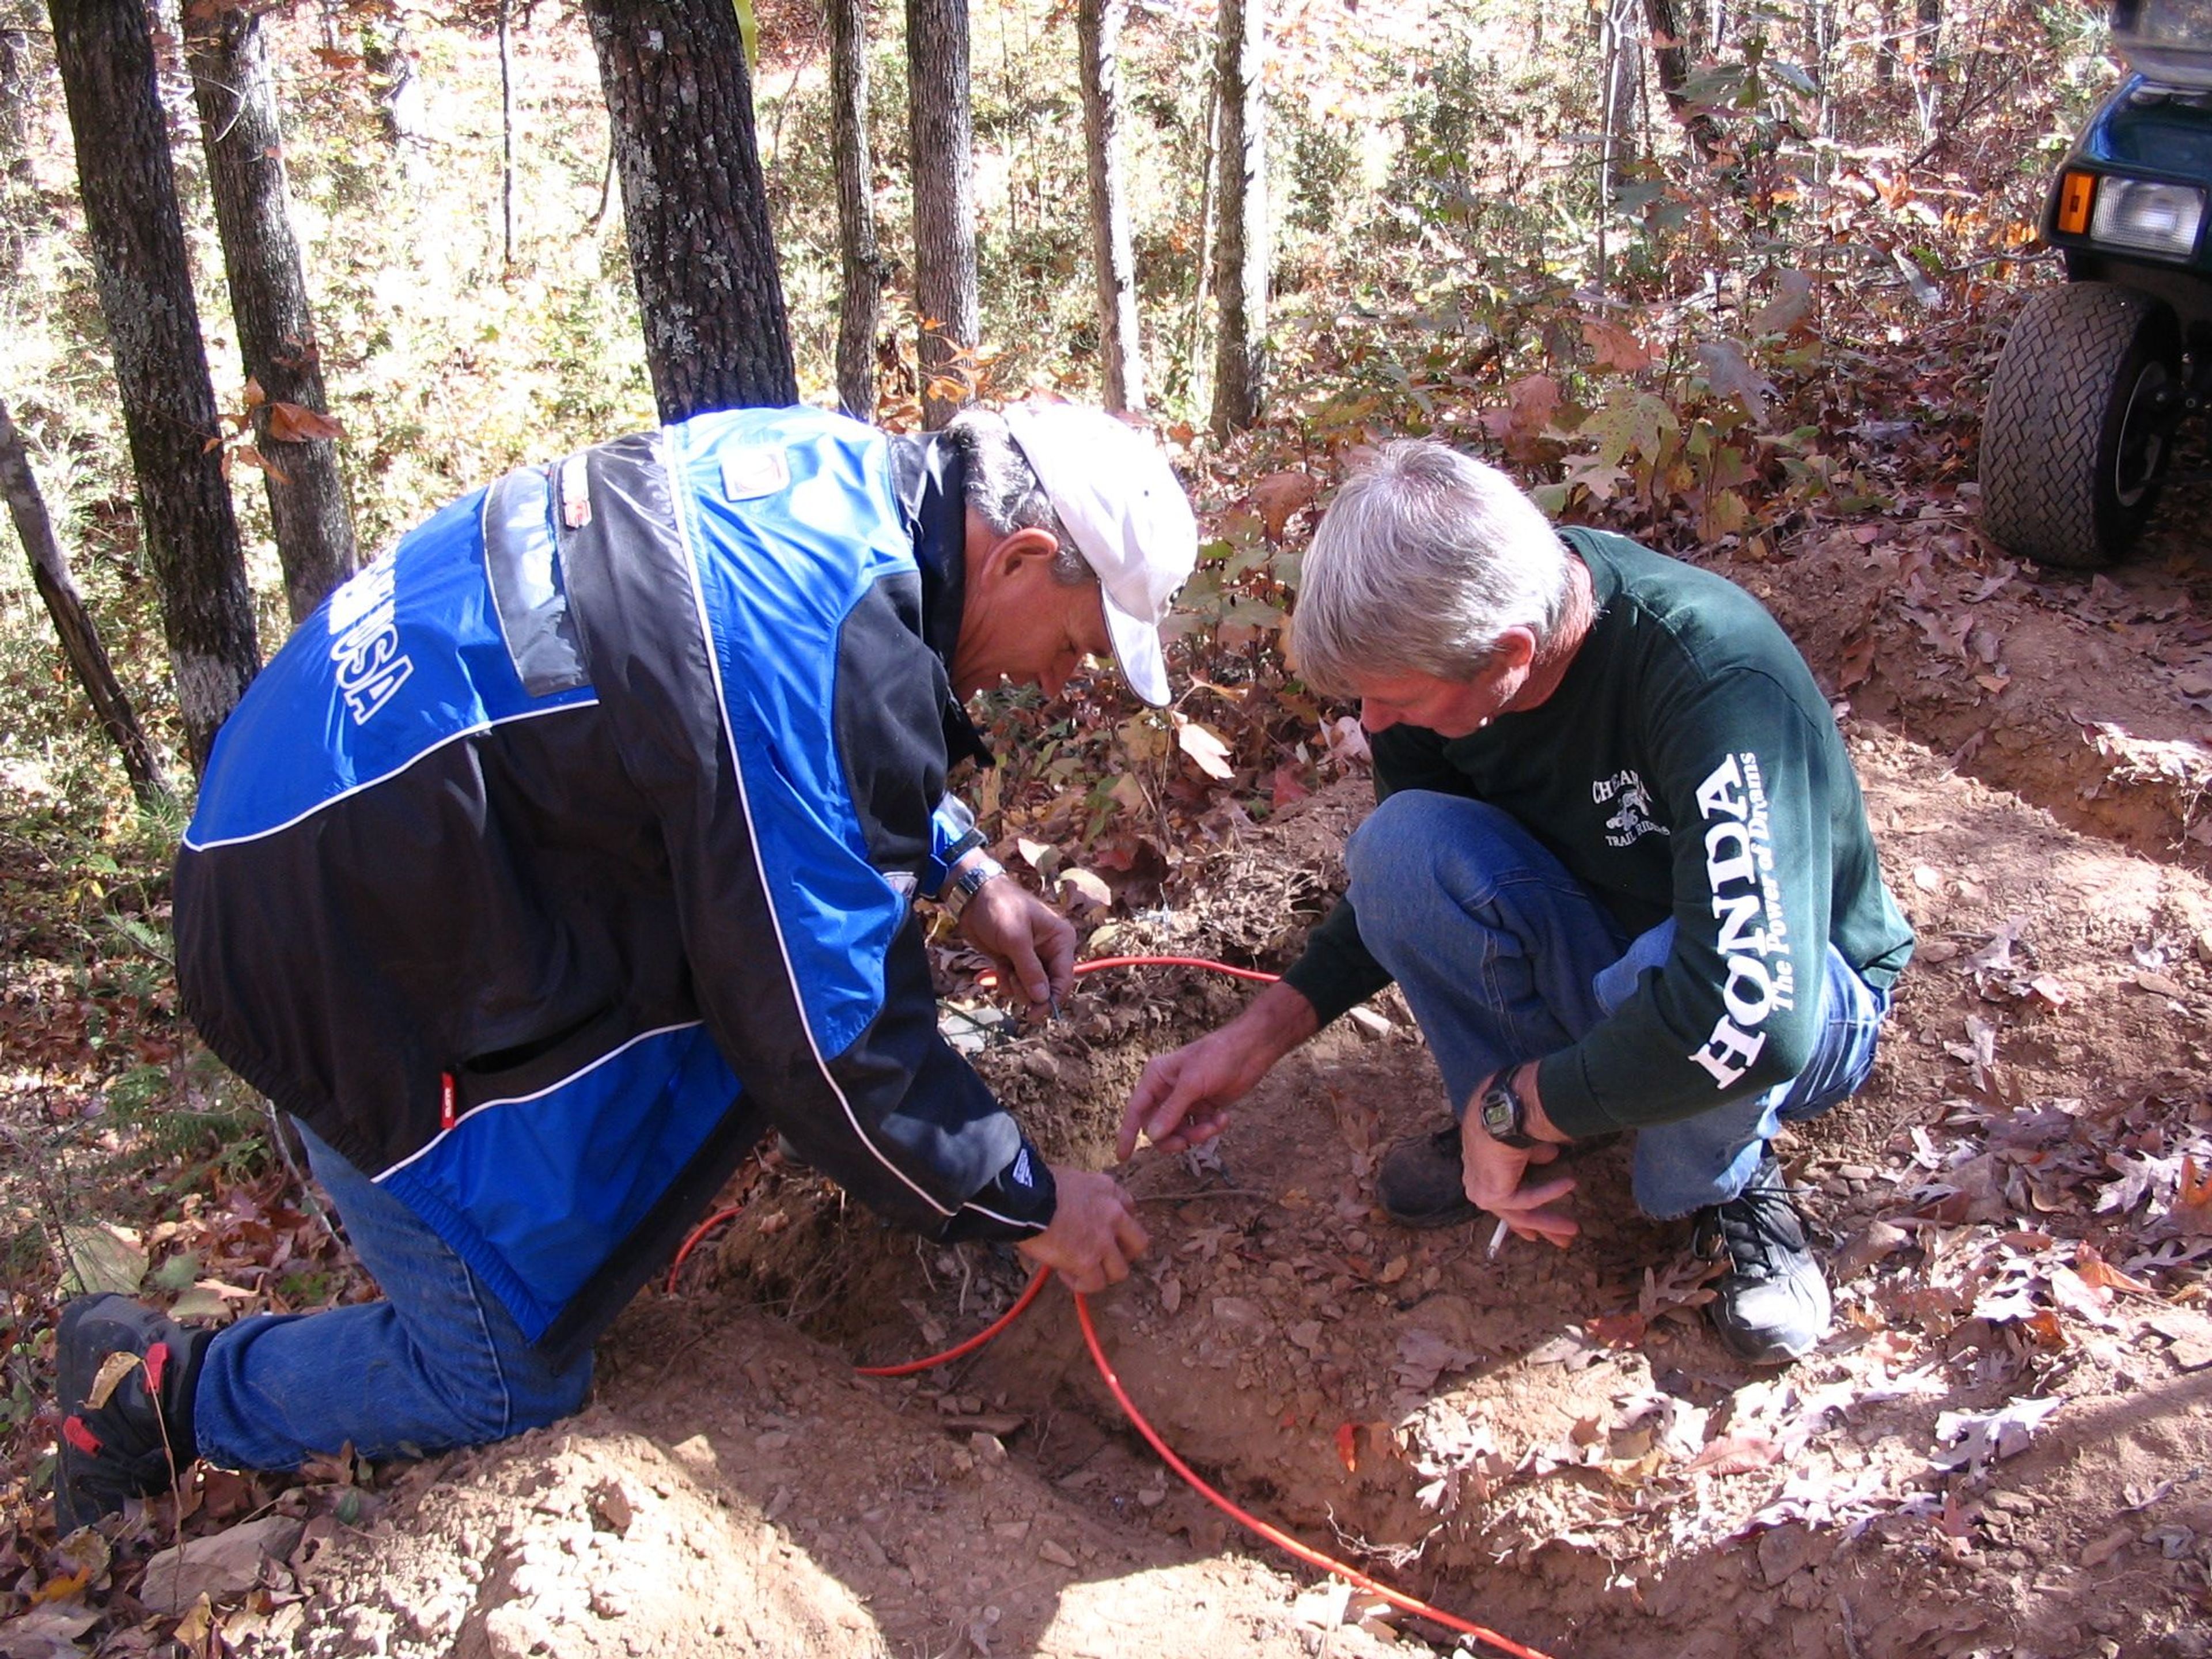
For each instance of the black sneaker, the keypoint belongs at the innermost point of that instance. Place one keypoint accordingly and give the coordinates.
(1421, 1183)
(1772, 1304)
(139, 1437)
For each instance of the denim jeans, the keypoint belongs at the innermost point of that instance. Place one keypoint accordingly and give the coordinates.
(438, 1365)
(1504, 956)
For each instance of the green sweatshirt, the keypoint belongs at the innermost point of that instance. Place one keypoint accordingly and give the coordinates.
(1685, 766)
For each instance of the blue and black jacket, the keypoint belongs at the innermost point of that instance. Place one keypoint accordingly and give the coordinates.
(575, 840)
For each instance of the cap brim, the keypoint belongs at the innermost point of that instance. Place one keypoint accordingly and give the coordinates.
(1138, 652)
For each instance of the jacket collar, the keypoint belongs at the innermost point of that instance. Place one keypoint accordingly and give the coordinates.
(930, 479)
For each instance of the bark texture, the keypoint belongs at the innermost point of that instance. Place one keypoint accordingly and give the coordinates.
(79, 637)
(861, 308)
(1670, 59)
(244, 138)
(1240, 250)
(699, 245)
(106, 53)
(1099, 34)
(942, 138)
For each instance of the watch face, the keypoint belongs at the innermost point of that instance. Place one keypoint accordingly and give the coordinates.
(1501, 1112)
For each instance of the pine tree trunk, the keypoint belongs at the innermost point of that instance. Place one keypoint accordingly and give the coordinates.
(942, 139)
(695, 209)
(244, 139)
(80, 638)
(861, 308)
(1098, 36)
(1240, 252)
(105, 50)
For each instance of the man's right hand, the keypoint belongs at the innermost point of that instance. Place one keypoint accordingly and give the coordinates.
(1183, 1099)
(1095, 1234)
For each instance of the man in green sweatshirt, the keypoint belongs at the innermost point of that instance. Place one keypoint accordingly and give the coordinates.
(1620, 867)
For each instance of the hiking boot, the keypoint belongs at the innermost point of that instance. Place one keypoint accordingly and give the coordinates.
(1421, 1183)
(1773, 1303)
(139, 1437)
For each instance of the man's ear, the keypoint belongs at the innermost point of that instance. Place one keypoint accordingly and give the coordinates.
(1015, 549)
(1516, 649)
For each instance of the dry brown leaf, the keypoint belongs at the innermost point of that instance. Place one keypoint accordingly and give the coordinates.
(295, 424)
(1205, 746)
(1616, 348)
(1735, 1454)
(1279, 495)
(108, 1378)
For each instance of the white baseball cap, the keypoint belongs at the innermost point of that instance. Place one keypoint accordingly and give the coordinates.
(1118, 499)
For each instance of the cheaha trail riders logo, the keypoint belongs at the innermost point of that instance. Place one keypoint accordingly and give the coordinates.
(1631, 818)
(365, 641)
(1754, 937)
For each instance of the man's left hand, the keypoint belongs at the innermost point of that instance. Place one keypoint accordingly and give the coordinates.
(1033, 944)
(1496, 1174)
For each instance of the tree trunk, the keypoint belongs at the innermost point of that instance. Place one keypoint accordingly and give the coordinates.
(80, 638)
(943, 146)
(1622, 68)
(1670, 57)
(861, 306)
(506, 139)
(1240, 250)
(1098, 36)
(244, 139)
(16, 95)
(106, 53)
(696, 211)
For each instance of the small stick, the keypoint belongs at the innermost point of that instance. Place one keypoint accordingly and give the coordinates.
(1497, 1239)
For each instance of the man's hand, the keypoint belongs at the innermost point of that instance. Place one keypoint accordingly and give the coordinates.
(1495, 1174)
(1033, 944)
(1183, 1099)
(1095, 1234)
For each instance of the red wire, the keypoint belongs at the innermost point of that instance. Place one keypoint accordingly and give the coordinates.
(1028, 1296)
(692, 1239)
(1275, 1535)
(1096, 962)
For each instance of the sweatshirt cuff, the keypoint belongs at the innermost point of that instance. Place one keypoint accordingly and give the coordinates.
(1019, 1203)
(1568, 1101)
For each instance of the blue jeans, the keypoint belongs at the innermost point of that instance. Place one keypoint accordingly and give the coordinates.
(1504, 956)
(437, 1365)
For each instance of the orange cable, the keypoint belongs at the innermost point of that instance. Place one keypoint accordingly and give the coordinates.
(1275, 1535)
(973, 1343)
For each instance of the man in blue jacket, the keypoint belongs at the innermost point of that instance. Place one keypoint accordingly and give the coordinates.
(574, 844)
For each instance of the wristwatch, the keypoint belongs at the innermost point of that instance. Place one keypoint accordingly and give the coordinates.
(1502, 1114)
(965, 882)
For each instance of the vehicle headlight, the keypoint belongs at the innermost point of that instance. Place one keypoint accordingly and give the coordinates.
(2139, 214)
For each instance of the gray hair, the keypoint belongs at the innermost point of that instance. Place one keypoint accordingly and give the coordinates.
(1005, 493)
(1425, 558)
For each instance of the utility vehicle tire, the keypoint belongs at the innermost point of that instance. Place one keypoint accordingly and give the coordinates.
(2072, 453)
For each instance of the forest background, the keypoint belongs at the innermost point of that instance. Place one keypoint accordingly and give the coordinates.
(1712, 274)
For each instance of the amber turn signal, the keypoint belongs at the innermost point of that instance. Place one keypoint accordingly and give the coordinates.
(2077, 194)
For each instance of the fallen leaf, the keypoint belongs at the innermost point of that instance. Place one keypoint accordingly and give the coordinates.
(1205, 746)
(102, 1258)
(1089, 888)
(1734, 1454)
(1622, 1330)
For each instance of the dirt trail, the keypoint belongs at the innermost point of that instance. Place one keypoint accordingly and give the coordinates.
(2003, 1449)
